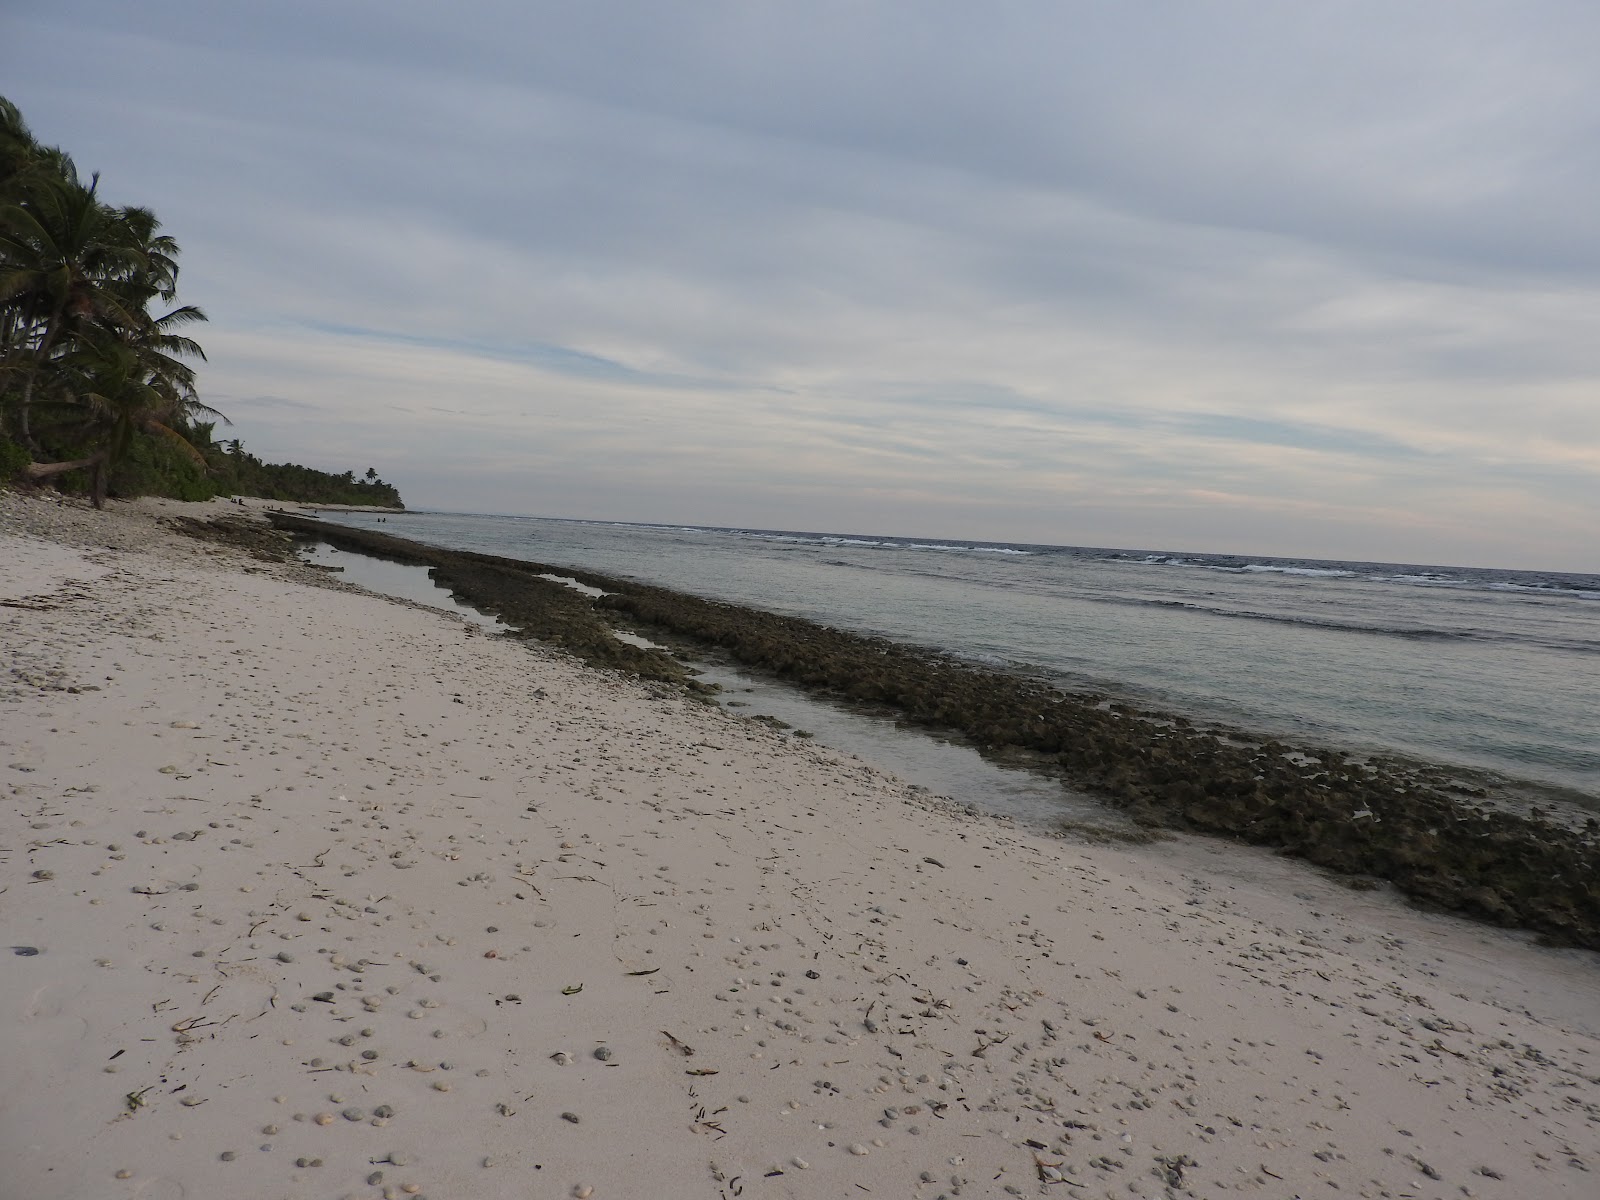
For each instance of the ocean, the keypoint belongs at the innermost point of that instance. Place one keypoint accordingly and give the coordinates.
(1495, 671)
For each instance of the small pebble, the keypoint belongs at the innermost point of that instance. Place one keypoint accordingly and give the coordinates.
(800, 1164)
(441, 1086)
(323, 1118)
(568, 1116)
(857, 1148)
(227, 1156)
(353, 1114)
(583, 1191)
(124, 1174)
(603, 1053)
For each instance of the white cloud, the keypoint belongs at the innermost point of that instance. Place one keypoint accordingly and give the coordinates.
(1307, 280)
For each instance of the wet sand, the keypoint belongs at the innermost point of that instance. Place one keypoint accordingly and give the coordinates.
(305, 892)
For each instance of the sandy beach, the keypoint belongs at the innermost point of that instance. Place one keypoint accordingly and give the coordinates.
(309, 893)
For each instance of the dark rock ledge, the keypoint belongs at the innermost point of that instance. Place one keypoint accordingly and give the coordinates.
(1366, 819)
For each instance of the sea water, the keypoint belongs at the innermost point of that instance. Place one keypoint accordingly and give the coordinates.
(1494, 670)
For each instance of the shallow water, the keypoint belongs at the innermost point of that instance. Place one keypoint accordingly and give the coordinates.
(941, 767)
(1492, 670)
(401, 580)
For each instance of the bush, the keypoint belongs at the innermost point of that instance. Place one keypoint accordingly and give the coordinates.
(12, 459)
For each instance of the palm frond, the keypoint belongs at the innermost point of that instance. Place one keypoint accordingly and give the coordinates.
(178, 440)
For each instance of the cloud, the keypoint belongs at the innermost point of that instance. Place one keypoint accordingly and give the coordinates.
(1293, 279)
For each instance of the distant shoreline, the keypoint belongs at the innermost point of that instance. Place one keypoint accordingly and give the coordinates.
(368, 508)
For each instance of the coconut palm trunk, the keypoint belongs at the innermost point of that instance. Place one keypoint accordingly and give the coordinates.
(34, 472)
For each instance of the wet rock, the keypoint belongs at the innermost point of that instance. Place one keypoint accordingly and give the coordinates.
(1378, 819)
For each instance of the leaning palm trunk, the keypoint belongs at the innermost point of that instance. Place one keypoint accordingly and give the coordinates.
(40, 355)
(38, 471)
(24, 431)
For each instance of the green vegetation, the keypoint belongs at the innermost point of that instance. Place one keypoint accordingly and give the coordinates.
(247, 475)
(97, 393)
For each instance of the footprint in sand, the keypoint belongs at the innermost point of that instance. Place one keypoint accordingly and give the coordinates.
(46, 1013)
(159, 1189)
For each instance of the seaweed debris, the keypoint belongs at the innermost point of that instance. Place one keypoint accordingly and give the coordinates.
(512, 590)
(268, 545)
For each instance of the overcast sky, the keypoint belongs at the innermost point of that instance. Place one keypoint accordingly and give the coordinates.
(1314, 279)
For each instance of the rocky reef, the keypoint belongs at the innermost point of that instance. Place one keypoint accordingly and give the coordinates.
(1367, 819)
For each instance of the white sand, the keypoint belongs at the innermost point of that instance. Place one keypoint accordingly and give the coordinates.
(232, 793)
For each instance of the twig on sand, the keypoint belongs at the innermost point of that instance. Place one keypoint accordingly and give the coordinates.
(681, 1047)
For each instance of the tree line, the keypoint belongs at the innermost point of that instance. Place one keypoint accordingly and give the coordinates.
(247, 475)
(97, 376)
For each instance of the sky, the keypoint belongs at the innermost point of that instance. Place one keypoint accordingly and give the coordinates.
(1302, 279)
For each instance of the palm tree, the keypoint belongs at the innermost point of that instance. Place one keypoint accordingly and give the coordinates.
(23, 160)
(67, 260)
(109, 393)
(85, 365)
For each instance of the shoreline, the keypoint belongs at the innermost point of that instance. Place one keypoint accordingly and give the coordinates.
(1419, 826)
(434, 873)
